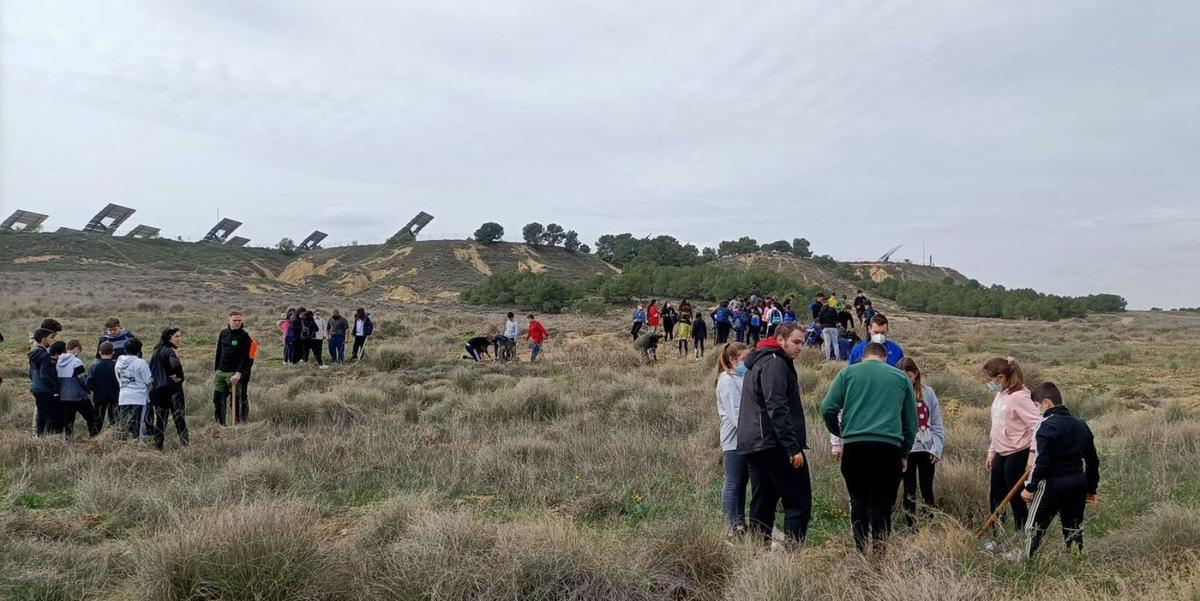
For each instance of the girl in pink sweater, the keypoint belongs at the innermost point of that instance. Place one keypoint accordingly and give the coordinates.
(1015, 419)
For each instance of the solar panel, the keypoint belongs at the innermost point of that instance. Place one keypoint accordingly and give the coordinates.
(30, 221)
(143, 231)
(237, 241)
(313, 241)
(221, 231)
(417, 224)
(108, 219)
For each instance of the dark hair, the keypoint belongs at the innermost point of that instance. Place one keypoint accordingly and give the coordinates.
(360, 313)
(106, 348)
(133, 347)
(74, 344)
(165, 339)
(1047, 391)
(336, 313)
(52, 325)
(510, 315)
(1008, 367)
(874, 349)
(820, 295)
(59, 347)
(908, 365)
(879, 320)
(531, 316)
(40, 334)
(112, 322)
(235, 312)
(786, 328)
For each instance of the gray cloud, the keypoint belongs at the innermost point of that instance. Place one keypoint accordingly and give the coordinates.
(1036, 145)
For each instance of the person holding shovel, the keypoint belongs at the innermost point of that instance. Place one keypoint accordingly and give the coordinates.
(231, 364)
(1012, 448)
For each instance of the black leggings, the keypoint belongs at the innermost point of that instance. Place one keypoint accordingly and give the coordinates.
(166, 404)
(872, 474)
(698, 343)
(920, 472)
(314, 347)
(683, 346)
(1007, 470)
(359, 342)
(637, 327)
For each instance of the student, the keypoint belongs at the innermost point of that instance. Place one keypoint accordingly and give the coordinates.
(653, 316)
(738, 321)
(774, 318)
(669, 317)
(478, 347)
(817, 305)
(536, 335)
(297, 334)
(135, 379)
(285, 331)
(869, 314)
(845, 319)
(878, 333)
(699, 335)
(1012, 447)
(1065, 475)
(102, 383)
(118, 336)
(72, 389)
(754, 331)
(639, 318)
(827, 320)
(647, 346)
(721, 322)
(771, 436)
(685, 311)
(683, 334)
(731, 372)
(878, 424)
(512, 328)
(363, 328)
(167, 396)
(833, 301)
(230, 364)
(43, 383)
(338, 326)
(928, 447)
(322, 334)
(310, 333)
(860, 305)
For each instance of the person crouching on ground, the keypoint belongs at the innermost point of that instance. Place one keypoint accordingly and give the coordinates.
(878, 426)
(771, 436)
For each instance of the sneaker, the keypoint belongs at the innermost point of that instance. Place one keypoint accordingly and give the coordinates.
(324, 367)
(990, 547)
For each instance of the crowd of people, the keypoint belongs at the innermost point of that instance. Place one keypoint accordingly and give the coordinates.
(749, 319)
(885, 423)
(122, 390)
(887, 434)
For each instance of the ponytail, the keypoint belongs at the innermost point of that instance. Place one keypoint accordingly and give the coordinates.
(728, 359)
(1008, 367)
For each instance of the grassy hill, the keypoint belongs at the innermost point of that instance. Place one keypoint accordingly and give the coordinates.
(420, 272)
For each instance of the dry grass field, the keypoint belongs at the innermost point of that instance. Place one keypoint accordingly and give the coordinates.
(417, 475)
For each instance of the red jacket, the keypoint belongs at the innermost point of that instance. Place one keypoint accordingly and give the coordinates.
(537, 332)
(652, 316)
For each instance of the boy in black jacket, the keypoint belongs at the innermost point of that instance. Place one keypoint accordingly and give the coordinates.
(1065, 475)
(102, 382)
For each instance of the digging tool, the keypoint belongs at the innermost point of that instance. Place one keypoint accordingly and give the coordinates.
(991, 520)
(233, 402)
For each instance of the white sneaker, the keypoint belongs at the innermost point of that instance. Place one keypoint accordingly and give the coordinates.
(324, 367)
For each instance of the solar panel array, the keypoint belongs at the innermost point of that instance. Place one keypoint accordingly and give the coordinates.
(222, 230)
(108, 219)
(29, 221)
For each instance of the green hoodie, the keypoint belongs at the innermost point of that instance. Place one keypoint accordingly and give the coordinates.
(876, 402)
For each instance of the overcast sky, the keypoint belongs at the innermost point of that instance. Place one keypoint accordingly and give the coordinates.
(1044, 144)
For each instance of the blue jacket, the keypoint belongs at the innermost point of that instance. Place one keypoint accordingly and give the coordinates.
(721, 315)
(639, 315)
(43, 373)
(895, 353)
(119, 341)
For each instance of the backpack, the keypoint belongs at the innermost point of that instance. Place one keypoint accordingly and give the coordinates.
(776, 317)
(739, 321)
(755, 321)
(368, 326)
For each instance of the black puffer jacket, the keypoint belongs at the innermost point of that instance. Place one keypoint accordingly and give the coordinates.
(771, 415)
(1065, 447)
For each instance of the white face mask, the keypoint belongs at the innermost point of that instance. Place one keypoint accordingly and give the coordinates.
(878, 338)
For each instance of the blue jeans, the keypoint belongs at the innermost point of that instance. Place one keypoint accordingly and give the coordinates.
(287, 349)
(337, 349)
(733, 492)
(535, 351)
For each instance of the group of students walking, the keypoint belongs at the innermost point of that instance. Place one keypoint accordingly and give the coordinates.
(136, 396)
(887, 432)
(747, 320)
(306, 333)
